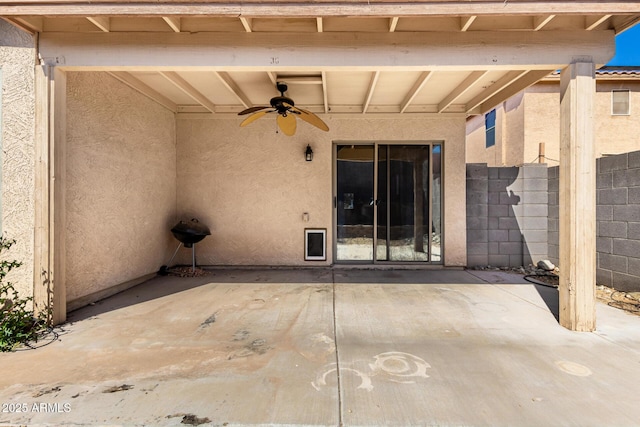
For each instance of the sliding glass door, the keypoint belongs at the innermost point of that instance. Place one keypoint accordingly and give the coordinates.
(387, 203)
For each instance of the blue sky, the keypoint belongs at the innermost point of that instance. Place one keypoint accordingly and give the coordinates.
(627, 48)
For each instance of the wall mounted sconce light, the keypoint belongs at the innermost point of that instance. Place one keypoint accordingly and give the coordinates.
(308, 154)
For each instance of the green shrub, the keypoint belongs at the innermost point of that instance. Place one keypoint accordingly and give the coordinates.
(18, 325)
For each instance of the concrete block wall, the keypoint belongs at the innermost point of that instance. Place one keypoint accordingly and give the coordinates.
(618, 226)
(507, 210)
(618, 220)
(553, 246)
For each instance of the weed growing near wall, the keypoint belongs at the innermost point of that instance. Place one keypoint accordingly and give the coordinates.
(18, 325)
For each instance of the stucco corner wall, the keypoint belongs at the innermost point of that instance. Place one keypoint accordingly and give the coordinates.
(17, 154)
(251, 185)
(120, 189)
(454, 194)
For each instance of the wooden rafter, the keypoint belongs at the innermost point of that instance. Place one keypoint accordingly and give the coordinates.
(136, 84)
(503, 82)
(592, 22)
(393, 23)
(466, 21)
(246, 23)
(102, 22)
(234, 88)
(372, 86)
(31, 25)
(527, 79)
(539, 22)
(183, 85)
(462, 88)
(417, 86)
(174, 23)
(325, 92)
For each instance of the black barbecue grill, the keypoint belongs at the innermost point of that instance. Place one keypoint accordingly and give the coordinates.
(188, 233)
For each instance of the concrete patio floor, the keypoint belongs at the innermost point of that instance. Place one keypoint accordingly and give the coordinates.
(329, 347)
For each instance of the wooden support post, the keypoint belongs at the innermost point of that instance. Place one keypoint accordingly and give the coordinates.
(541, 155)
(577, 198)
(49, 287)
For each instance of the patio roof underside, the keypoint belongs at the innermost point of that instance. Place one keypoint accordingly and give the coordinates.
(338, 57)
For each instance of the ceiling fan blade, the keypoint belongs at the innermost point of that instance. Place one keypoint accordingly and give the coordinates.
(251, 110)
(252, 118)
(287, 124)
(311, 118)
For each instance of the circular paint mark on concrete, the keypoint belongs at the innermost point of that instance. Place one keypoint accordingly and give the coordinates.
(400, 364)
(573, 368)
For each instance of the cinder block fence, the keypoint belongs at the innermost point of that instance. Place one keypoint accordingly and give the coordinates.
(512, 217)
(507, 211)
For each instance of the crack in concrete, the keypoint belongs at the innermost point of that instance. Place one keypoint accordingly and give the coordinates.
(335, 340)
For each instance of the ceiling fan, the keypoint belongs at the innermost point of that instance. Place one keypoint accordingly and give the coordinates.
(287, 112)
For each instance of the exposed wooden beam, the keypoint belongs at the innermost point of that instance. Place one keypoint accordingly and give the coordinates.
(592, 22)
(539, 22)
(623, 24)
(101, 22)
(372, 86)
(465, 22)
(174, 23)
(183, 85)
(30, 25)
(300, 80)
(234, 88)
(134, 83)
(325, 92)
(417, 86)
(526, 80)
(313, 9)
(319, 24)
(246, 23)
(393, 23)
(322, 51)
(273, 77)
(496, 87)
(461, 89)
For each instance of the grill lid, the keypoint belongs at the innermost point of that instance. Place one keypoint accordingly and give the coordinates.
(189, 232)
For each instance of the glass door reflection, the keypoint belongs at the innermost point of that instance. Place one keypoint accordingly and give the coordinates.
(354, 202)
(388, 203)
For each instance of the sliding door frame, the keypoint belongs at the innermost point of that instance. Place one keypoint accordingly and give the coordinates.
(376, 144)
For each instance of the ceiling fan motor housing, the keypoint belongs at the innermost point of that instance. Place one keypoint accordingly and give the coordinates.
(282, 104)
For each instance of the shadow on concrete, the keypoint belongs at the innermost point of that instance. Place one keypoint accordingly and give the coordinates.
(450, 277)
(551, 298)
(162, 286)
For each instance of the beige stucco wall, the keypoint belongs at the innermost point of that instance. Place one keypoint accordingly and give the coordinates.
(120, 188)
(252, 185)
(542, 123)
(539, 118)
(514, 127)
(617, 134)
(476, 150)
(17, 59)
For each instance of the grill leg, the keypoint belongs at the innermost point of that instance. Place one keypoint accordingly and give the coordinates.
(174, 254)
(193, 258)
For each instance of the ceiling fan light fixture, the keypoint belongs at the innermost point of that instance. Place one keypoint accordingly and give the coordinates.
(287, 113)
